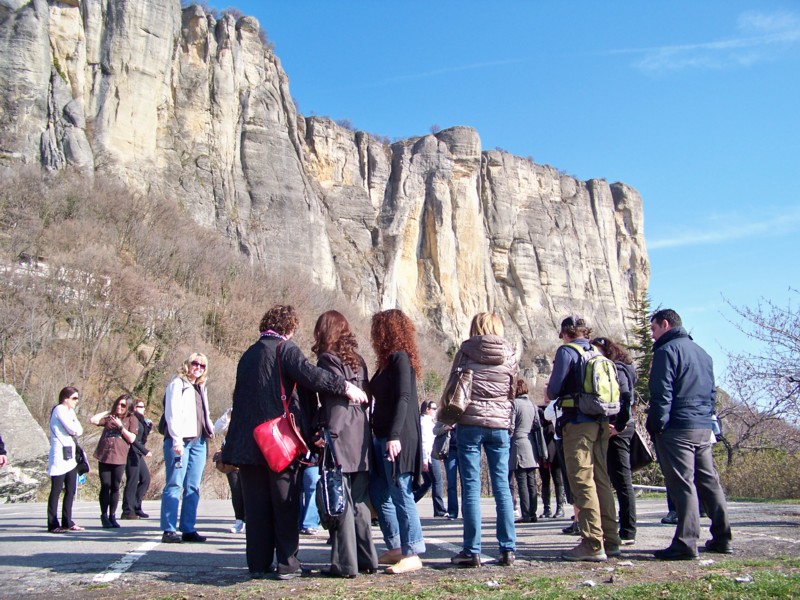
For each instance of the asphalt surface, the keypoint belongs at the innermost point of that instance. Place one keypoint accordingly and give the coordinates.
(35, 563)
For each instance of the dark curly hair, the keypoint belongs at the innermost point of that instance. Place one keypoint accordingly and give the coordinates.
(612, 350)
(332, 334)
(280, 319)
(522, 388)
(393, 331)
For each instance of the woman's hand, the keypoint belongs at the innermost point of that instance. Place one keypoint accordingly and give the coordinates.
(355, 394)
(393, 449)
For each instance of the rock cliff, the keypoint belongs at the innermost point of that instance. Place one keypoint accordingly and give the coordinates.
(176, 102)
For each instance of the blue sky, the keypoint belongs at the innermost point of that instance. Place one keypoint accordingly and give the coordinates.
(694, 104)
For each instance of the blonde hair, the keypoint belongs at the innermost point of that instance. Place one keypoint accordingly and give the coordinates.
(485, 323)
(183, 372)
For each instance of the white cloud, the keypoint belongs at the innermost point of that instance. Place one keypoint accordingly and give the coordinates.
(763, 36)
(725, 228)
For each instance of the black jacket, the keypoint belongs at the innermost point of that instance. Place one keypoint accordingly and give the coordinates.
(256, 395)
(682, 389)
(138, 447)
(396, 412)
(348, 423)
(626, 377)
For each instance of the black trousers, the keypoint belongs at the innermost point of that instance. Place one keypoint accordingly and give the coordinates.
(110, 482)
(352, 548)
(137, 482)
(551, 475)
(68, 482)
(526, 488)
(272, 506)
(564, 479)
(237, 499)
(619, 472)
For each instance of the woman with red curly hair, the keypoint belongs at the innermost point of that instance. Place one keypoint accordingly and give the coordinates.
(398, 449)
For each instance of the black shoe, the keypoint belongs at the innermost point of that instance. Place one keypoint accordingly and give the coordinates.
(675, 554)
(546, 514)
(571, 529)
(462, 559)
(105, 522)
(171, 537)
(671, 518)
(193, 536)
(129, 516)
(559, 514)
(533, 519)
(368, 570)
(332, 573)
(719, 547)
(290, 575)
(507, 558)
(113, 520)
(142, 514)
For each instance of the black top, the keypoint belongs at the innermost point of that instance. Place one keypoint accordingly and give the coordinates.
(256, 395)
(396, 412)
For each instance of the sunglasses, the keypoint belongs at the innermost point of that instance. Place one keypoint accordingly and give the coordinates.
(75, 398)
(122, 405)
(198, 364)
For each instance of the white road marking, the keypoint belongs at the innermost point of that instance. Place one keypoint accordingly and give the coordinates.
(123, 564)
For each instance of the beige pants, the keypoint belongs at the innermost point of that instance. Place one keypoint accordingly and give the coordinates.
(585, 449)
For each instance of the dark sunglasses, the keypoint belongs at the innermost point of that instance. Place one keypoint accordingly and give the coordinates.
(198, 364)
(76, 398)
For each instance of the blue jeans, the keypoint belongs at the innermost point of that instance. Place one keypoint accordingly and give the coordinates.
(496, 444)
(451, 471)
(182, 481)
(309, 514)
(394, 503)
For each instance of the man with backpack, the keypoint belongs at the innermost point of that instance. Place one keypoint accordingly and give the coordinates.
(682, 397)
(584, 385)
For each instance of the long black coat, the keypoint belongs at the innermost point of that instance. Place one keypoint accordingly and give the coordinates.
(256, 395)
(396, 412)
(348, 423)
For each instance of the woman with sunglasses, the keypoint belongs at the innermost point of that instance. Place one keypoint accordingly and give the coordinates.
(119, 432)
(137, 475)
(62, 466)
(187, 427)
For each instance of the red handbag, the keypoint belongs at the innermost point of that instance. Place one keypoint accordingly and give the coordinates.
(279, 439)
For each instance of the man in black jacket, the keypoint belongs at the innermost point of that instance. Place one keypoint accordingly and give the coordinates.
(682, 396)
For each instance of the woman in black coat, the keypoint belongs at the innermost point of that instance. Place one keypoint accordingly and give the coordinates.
(352, 548)
(272, 500)
(398, 441)
(619, 443)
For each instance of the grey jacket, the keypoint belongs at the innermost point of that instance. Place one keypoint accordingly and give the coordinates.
(522, 453)
(494, 369)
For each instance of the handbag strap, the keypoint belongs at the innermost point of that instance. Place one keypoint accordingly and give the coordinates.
(328, 449)
(284, 400)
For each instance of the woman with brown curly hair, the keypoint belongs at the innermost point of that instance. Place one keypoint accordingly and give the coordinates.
(398, 448)
(270, 367)
(352, 549)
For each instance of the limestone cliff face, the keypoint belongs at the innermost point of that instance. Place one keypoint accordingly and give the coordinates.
(176, 102)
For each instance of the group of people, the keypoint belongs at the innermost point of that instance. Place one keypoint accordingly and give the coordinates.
(120, 451)
(384, 445)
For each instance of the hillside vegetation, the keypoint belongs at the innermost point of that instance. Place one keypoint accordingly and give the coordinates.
(109, 290)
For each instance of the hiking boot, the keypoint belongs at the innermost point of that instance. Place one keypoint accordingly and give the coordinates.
(612, 549)
(462, 559)
(671, 518)
(584, 552)
(507, 558)
(171, 537)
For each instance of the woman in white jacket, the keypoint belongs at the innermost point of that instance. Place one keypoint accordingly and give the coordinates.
(62, 466)
(187, 427)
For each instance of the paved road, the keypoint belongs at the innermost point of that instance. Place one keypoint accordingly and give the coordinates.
(35, 563)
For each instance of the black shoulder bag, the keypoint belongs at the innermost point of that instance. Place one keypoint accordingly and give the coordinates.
(331, 502)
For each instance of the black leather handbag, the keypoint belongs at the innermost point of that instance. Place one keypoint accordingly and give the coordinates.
(331, 502)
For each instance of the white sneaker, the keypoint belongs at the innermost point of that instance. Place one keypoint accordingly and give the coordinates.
(237, 527)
